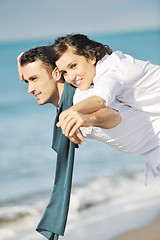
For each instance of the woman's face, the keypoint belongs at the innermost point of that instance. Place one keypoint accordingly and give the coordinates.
(77, 70)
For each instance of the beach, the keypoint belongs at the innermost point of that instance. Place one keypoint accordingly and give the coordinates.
(108, 197)
(148, 232)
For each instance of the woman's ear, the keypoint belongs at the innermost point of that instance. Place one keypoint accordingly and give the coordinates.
(57, 75)
(93, 59)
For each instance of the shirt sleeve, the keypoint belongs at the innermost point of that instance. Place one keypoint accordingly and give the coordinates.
(108, 86)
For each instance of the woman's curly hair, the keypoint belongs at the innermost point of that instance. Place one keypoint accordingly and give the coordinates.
(82, 46)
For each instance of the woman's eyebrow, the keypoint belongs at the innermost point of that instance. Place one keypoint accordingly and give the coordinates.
(71, 63)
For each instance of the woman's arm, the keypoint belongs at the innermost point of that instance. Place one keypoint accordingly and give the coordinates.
(89, 105)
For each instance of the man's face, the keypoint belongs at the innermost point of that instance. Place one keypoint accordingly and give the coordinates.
(40, 83)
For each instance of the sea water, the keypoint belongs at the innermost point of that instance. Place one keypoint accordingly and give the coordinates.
(108, 194)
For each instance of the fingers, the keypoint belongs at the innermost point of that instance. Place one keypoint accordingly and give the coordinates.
(70, 126)
(77, 138)
(67, 122)
(71, 129)
(70, 121)
(79, 135)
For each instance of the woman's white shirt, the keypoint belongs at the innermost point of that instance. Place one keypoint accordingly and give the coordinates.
(138, 133)
(131, 81)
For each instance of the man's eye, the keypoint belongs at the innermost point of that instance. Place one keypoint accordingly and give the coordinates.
(73, 65)
(26, 81)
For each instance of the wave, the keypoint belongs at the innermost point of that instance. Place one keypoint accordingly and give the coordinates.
(113, 191)
(99, 200)
(14, 213)
(95, 193)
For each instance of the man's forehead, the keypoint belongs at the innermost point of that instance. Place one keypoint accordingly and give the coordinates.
(36, 64)
(34, 68)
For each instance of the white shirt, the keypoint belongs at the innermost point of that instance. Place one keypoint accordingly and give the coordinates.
(138, 133)
(131, 81)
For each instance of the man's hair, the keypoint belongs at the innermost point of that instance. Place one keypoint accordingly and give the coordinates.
(43, 53)
(81, 44)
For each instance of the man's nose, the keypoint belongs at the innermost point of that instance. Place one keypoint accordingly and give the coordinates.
(30, 88)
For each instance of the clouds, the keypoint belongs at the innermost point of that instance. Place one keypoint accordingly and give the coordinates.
(38, 18)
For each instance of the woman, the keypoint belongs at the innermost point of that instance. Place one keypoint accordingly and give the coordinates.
(84, 62)
(77, 58)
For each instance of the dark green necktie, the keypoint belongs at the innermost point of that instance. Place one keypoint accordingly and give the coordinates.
(54, 219)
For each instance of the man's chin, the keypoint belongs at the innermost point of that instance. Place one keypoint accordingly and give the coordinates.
(40, 102)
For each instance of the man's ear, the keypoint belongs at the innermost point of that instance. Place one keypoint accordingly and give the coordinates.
(57, 75)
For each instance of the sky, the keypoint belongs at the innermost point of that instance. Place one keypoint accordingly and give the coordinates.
(32, 19)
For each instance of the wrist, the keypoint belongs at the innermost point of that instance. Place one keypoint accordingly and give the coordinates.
(90, 120)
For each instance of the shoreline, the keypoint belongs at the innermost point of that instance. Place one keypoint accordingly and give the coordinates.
(148, 232)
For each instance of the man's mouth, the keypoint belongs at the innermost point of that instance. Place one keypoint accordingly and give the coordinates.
(78, 82)
(37, 95)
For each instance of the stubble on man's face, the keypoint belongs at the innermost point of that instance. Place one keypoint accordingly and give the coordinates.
(40, 82)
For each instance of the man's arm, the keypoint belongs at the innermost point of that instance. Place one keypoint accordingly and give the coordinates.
(105, 118)
(87, 106)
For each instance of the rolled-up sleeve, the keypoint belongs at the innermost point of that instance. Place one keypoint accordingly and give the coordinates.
(108, 86)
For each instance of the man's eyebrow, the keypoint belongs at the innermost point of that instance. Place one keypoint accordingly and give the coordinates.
(30, 78)
(33, 76)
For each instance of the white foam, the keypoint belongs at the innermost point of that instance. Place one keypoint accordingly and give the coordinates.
(6, 233)
(99, 201)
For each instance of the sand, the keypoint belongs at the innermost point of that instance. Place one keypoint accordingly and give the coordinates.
(149, 232)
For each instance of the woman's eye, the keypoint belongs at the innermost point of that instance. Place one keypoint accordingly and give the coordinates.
(63, 73)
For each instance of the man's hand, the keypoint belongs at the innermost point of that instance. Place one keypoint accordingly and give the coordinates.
(77, 138)
(19, 67)
(70, 121)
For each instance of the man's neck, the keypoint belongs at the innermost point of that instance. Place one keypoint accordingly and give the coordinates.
(60, 87)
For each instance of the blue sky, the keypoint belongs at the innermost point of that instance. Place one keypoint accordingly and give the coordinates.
(25, 19)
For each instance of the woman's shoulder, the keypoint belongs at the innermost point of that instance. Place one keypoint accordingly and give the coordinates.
(110, 62)
(115, 57)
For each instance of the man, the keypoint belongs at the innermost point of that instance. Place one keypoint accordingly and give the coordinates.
(37, 69)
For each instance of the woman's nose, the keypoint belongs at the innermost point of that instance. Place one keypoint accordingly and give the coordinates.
(71, 76)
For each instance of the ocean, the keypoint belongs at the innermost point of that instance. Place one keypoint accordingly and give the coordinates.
(108, 194)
